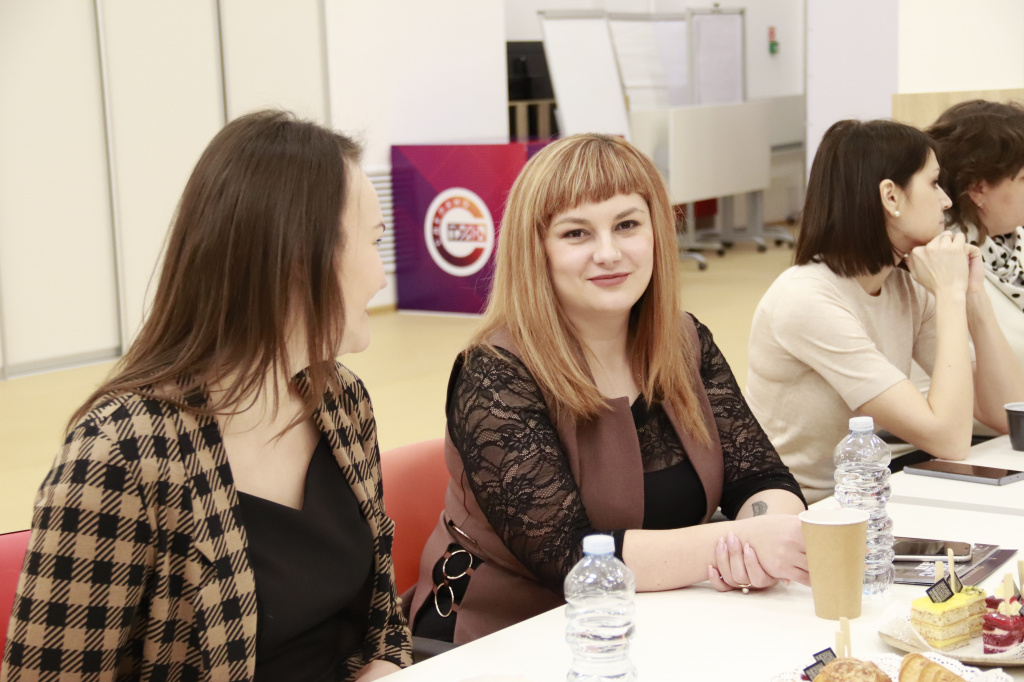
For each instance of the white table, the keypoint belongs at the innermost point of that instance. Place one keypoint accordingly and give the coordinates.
(694, 633)
(947, 493)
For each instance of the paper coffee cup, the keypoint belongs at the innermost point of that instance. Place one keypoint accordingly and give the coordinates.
(836, 540)
(1015, 419)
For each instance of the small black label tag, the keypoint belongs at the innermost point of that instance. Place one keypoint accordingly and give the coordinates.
(826, 656)
(812, 671)
(940, 591)
(954, 583)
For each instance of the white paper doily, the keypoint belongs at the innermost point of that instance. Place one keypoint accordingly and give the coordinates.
(895, 623)
(890, 665)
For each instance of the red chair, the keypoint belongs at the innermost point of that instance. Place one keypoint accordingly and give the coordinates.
(415, 478)
(12, 556)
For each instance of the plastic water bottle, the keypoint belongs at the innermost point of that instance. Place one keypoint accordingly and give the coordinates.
(599, 591)
(862, 482)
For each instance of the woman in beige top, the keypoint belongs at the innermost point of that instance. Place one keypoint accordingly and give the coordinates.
(878, 281)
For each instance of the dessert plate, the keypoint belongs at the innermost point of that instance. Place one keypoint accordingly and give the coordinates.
(896, 631)
(890, 665)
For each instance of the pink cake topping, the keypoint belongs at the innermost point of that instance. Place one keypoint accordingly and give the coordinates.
(1001, 633)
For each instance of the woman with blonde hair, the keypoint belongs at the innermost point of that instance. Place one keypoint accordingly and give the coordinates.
(215, 512)
(589, 401)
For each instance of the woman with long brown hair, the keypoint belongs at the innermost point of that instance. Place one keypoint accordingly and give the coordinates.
(215, 512)
(589, 401)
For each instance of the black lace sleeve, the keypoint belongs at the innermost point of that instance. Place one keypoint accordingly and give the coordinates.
(499, 422)
(751, 463)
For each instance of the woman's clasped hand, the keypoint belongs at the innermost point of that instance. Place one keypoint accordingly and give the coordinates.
(739, 564)
(945, 264)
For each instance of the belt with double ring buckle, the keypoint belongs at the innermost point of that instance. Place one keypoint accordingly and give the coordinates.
(446, 585)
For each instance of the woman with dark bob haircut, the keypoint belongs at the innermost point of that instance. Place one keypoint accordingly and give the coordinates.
(588, 402)
(980, 146)
(215, 512)
(878, 282)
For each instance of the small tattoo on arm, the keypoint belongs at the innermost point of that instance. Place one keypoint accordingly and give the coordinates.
(760, 508)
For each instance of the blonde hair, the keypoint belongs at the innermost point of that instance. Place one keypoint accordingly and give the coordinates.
(566, 174)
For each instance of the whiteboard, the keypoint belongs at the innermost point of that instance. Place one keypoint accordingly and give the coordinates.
(718, 151)
(584, 73)
(652, 52)
(717, 49)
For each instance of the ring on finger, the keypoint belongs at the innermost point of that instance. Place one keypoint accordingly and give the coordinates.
(745, 588)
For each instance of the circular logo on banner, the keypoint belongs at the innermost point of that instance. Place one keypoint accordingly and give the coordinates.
(459, 232)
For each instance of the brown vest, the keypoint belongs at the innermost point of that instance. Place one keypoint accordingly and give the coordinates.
(604, 456)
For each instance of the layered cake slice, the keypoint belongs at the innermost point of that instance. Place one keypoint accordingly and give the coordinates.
(952, 623)
(1001, 632)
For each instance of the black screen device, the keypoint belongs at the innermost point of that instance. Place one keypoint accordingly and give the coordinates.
(965, 472)
(925, 549)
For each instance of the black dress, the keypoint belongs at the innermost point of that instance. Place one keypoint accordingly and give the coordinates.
(313, 570)
(538, 512)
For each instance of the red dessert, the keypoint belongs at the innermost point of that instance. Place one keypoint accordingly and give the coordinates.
(1001, 633)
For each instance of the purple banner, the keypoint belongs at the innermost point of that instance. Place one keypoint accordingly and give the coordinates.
(448, 203)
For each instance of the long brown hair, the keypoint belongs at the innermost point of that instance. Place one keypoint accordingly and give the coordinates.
(251, 254)
(977, 140)
(566, 174)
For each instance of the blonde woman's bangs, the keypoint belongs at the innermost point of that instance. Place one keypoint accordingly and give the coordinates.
(588, 171)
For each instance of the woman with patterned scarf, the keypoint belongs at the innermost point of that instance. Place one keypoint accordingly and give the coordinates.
(980, 147)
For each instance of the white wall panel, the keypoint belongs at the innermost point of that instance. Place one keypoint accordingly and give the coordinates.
(165, 103)
(951, 45)
(851, 63)
(57, 281)
(780, 74)
(274, 56)
(414, 72)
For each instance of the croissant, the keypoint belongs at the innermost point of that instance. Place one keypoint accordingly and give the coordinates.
(851, 670)
(917, 668)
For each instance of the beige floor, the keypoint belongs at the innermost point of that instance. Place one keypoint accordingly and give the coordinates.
(406, 370)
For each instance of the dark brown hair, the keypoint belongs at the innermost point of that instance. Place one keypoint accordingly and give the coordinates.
(977, 141)
(843, 221)
(251, 254)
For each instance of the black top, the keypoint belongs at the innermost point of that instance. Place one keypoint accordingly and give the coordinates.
(313, 572)
(538, 512)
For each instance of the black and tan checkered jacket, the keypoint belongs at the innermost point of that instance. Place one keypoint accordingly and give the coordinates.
(137, 565)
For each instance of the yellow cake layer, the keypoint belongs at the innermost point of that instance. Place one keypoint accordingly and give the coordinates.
(970, 626)
(950, 644)
(960, 606)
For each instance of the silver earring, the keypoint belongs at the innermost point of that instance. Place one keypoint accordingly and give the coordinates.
(896, 214)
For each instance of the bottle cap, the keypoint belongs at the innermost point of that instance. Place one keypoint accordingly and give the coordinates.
(599, 544)
(862, 424)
